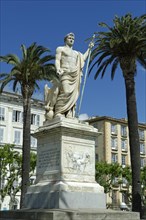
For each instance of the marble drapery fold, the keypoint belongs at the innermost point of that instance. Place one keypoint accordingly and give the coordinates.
(65, 103)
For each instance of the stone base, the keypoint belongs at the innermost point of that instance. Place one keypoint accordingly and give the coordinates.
(44, 214)
(65, 200)
(65, 195)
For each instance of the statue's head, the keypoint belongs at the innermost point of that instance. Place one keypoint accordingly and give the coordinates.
(69, 34)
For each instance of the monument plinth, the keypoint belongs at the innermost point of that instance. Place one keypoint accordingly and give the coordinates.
(65, 176)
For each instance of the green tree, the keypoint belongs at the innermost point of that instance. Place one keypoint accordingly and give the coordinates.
(126, 178)
(124, 44)
(10, 170)
(107, 175)
(33, 67)
(114, 175)
(33, 159)
(10, 163)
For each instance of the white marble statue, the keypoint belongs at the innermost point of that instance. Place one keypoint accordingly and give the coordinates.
(69, 64)
(50, 97)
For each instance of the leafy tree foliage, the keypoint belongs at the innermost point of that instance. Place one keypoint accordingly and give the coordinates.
(124, 44)
(107, 174)
(114, 175)
(127, 180)
(143, 185)
(10, 171)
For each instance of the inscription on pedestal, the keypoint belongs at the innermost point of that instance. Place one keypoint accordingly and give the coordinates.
(48, 159)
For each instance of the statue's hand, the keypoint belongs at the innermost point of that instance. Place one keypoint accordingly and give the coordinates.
(91, 45)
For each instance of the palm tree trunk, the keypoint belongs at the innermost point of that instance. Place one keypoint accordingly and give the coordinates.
(26, 147)
(133, 140)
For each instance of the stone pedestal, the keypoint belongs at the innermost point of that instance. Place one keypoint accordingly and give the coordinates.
(45, 214)
(65, 176)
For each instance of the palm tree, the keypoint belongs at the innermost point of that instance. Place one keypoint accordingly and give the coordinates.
(124, 44)
(27, 72)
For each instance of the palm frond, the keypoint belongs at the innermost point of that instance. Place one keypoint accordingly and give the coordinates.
(46, 59)
(114, 67)
(93, 65)
(40, 50)
(3, 75)
(101, 58)
(24, 51)
(4, 82)
(16, 70)
(125, 39)
(103, 67)
(94, 54)
(102, 24)
(10, 59)
(16, 82)
(36, 86)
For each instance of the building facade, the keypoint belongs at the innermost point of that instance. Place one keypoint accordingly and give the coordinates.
(11, 126)
(112, 145)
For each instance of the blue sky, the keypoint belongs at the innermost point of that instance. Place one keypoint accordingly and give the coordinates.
(47, 22)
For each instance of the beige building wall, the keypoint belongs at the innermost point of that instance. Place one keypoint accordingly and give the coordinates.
(112, 145)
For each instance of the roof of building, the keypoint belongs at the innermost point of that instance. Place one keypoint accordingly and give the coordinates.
(111, 119)
(15, 97)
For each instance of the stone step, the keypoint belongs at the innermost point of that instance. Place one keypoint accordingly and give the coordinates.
(44, 214)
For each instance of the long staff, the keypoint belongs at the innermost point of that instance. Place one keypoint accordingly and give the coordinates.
(85, 77)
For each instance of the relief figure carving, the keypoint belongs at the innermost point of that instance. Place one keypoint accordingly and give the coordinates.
(77, 161)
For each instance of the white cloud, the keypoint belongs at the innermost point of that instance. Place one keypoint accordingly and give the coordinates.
(83, 117)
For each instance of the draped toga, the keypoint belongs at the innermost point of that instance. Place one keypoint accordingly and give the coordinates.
(66, 102)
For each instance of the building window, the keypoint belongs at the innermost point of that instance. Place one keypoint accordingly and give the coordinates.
(1, 135)
(123, 145)
(125, 198)
(113, 129)
(114, 143)
(123, 131)
(17, 137)
(33, 142)
(142, 148)
(124, 182)
(35, 119)
(17, 116)
(115, 182)
(123, 160)
(2, 114)
(141, 134)
(114, 158)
